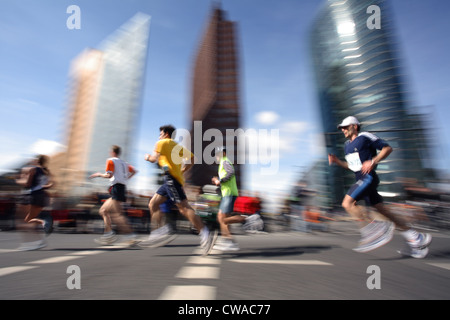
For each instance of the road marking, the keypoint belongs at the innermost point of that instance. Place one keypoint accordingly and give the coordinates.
(188, 293)
(441, 265)
(86, 252)
(54, 260)
(287, 262)
(212, 253)
(198, 273)
(10, 270)
(203, 260)
(8, 250)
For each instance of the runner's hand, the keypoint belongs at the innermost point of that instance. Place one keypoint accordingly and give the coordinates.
(332, 159)
(367, 166)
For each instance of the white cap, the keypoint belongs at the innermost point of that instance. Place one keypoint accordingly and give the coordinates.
(348, 121)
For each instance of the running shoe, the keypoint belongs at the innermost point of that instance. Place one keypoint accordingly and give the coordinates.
(130, 241)
(415, 253)
(208, 241)
(226, 245)
(107, 239)
(253, 223)
(159, 237)
(33, 245)
(382, 233)
(423, 241)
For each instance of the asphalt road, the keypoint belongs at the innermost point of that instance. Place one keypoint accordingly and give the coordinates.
(272, 266)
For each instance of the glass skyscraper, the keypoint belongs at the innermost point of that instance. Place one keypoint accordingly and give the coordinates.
(106, 86)
(358, 73)
(119, 98)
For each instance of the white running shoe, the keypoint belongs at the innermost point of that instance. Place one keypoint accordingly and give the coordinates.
(107, 239)
(381, 234)
(130, 240)
(208, 239)
(254, 222)
(415, 253)
(159, 237)
(226, 245)
(423, 241)
(33, 245)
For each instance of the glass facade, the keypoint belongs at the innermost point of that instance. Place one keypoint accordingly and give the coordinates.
(106, 86)
(119, 97)
(358, 73)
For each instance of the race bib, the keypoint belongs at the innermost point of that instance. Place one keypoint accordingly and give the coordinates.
(353, 161)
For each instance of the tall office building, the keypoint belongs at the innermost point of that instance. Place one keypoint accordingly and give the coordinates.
(215, 94)
(106, 87)
(358, 73)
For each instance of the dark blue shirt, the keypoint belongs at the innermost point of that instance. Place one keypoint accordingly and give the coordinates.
(362, 149)
(40, 179)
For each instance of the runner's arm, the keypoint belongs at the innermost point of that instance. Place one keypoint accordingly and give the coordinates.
(109, 171)
(106, 175)
(152, 157)
(187, 166)
(383, 154)
(333, 159)
(50, 183)
(371, 164)
(26, 177)
(132, 171)
(229, 170)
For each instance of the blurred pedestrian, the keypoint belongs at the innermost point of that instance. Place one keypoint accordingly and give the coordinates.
(362, 158)
(119, 172)
(36, 179)
(228, 187)
(175, 160)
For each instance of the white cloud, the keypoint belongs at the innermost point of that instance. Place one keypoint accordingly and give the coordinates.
(266, 117)
(15, 151)
(294, 127)
(47, 147)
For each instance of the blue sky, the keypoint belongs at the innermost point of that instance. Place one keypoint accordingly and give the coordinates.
(277, 87)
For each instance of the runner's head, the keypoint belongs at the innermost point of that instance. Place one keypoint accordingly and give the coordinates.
(350, 126)
(220, 152)
(115, 151)
(166, 132)
(42, 160)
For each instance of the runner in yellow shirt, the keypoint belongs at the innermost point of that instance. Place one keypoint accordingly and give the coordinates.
(174, 159)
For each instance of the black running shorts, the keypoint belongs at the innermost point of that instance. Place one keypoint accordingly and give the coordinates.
(118, 192)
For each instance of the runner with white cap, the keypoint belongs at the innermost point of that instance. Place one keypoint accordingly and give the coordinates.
(362, 157)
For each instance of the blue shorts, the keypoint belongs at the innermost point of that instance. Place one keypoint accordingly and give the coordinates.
(227, 204)
(172, 189)
(366, 189)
